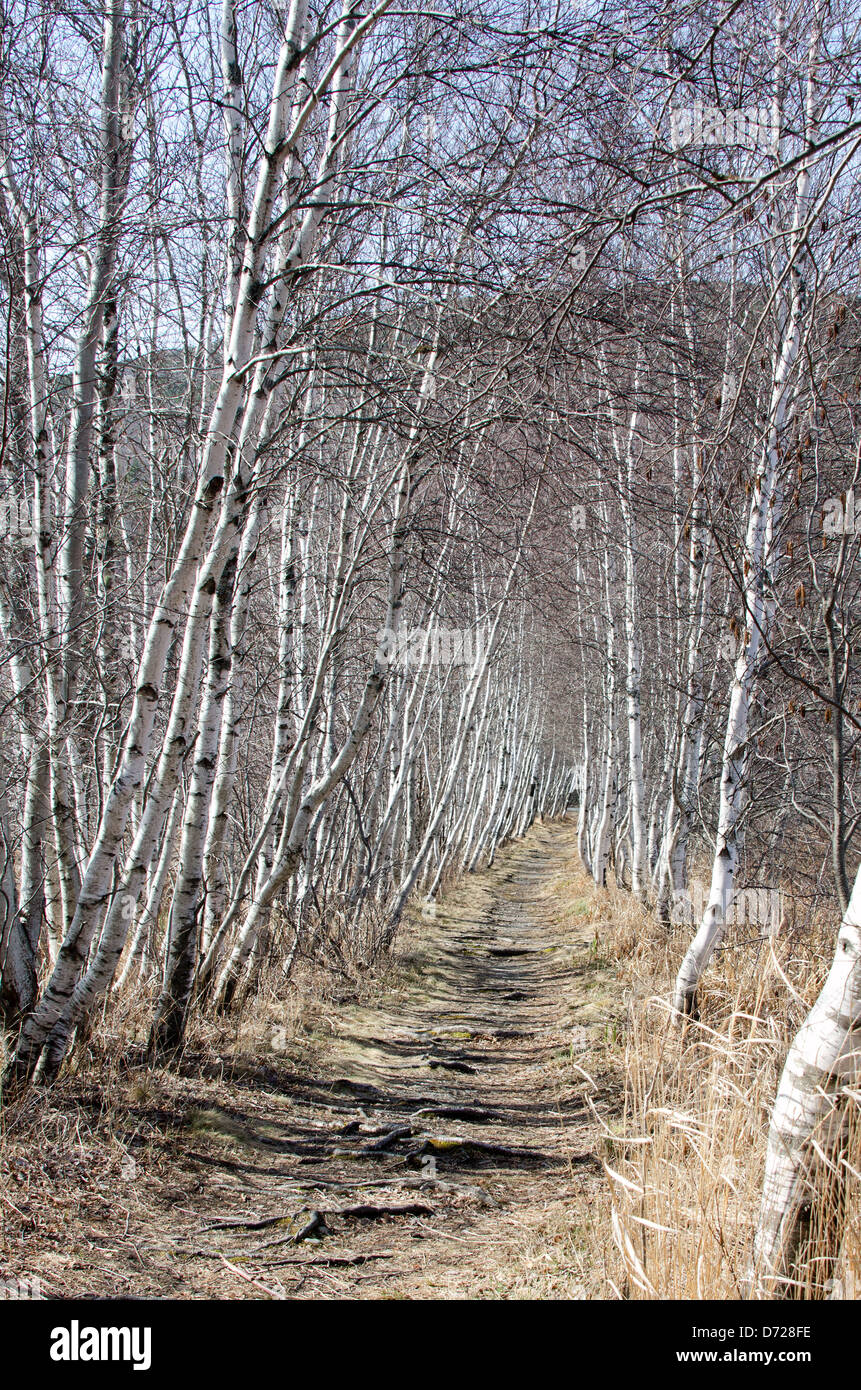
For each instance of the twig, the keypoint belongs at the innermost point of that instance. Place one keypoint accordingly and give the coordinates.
(249, 1280)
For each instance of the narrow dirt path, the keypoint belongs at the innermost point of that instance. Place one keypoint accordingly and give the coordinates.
(441, 1147)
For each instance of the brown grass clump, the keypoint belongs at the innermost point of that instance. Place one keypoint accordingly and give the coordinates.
(685, 1166)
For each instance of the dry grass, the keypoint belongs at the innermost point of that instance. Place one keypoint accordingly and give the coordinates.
(685, 1167)
(113, 1180)
(104, 1179)
(93, 1182)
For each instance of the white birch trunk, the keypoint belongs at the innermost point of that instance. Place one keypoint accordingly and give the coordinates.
(810, 1107)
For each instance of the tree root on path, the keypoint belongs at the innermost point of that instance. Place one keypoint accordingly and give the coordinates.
(300, 1263)
(316, 1224)
(441, 1184)
(455, 1145)
(474, 1113)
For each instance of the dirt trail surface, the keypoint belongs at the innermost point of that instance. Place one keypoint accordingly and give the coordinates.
(440, 1145)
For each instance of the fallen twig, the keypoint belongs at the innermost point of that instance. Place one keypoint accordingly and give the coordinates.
(273, 1293)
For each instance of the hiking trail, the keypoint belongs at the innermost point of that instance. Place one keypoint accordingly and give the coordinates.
(441, 1145)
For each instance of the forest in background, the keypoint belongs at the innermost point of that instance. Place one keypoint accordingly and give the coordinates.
(416, 424)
